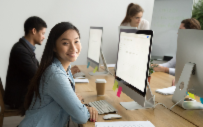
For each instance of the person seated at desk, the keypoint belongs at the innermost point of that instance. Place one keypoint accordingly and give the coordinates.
(23, 63)
(51, 99)
(134, 18)
(169, 67)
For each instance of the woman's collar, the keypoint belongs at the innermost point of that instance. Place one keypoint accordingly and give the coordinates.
(58, 63)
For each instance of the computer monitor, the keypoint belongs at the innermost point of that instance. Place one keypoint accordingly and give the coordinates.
(133, 62)
(95, 55)
(189, 51)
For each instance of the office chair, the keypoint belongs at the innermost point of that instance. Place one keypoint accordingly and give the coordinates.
(4, 111)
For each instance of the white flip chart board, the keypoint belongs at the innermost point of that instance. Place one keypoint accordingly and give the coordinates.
(166, 19)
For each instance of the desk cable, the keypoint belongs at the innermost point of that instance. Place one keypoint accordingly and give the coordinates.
(180, 115)
(176, 103)
(110, 73)
(175, 112)
(160, 104)
(157, 103)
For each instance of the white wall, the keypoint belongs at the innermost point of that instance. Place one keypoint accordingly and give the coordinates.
(82, 13)
(166, 19)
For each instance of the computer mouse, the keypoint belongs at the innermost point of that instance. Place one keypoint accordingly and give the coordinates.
(112, 116)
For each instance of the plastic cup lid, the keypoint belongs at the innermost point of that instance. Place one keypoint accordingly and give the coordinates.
(100, 81)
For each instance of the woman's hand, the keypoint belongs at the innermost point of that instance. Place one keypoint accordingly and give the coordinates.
(93, 114)
(160, 68)
(75, 69)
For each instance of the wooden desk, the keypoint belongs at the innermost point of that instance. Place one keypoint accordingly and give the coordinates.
(91, 86)
(162, 80)
(160, 116)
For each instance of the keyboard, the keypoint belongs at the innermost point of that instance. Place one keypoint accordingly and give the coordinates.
(103, 107)
(79, 74)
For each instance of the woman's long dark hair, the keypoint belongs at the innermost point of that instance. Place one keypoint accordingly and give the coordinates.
(47, 59)
(132, 10)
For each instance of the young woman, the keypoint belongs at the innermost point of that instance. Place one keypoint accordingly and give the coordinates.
(51, 98)
(134, 18)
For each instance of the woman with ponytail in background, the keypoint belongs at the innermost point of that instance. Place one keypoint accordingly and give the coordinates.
(51, 99)
(134, 18)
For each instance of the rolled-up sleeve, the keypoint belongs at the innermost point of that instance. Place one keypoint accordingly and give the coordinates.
(60, 90)
(172, 71)
(171, 65)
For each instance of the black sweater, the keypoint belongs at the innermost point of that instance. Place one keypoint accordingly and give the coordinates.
(21, 69)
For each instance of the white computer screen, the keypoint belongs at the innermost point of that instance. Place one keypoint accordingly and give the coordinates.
(94, 44)
(133, 59)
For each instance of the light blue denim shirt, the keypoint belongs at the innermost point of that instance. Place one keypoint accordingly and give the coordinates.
(58, 101)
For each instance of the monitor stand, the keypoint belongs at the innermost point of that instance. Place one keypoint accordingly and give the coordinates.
(106, 70)
(148, 100)
(183, 87)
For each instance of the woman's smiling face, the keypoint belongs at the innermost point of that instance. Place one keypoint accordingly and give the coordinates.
(68, 46)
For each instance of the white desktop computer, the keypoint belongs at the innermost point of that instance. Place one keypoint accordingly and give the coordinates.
(95, 54)
(132, 66)
(189, 67)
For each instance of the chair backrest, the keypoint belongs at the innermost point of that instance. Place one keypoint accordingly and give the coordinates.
(1, 97)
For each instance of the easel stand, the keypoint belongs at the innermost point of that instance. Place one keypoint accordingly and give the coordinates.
(183, 87)
(106, 71)
(148, 101)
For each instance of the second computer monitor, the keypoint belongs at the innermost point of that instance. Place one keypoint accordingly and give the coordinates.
(133, 62)
(95, 42)
(189, 50)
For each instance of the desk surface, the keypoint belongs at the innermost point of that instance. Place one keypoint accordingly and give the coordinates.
(160, 116)
(91, 86)
(161, 80)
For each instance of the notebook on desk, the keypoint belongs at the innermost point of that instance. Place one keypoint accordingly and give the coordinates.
(81, 80)
(167, 91)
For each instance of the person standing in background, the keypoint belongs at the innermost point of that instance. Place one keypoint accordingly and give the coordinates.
(23, 63)
(134, 18)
